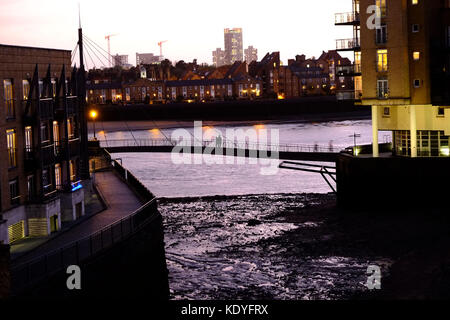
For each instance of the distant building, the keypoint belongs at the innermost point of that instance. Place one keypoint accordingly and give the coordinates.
(146, 58)
(218, 57)
(234, 48)
(251, 54)
(121, 60)
(267, 70)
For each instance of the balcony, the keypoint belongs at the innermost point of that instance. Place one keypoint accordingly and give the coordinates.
(48, 155)
(74, 148)
(348, 71)
(346, 19)
(45, 111)
(349, 95)
(72, 107)
(348, 45)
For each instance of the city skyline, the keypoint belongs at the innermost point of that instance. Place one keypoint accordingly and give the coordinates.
(53, 24)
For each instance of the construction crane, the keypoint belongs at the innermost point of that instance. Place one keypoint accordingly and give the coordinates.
(108, 37)
(160, 49)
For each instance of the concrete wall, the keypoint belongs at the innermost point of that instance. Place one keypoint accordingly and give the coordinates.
(402, 183)
(133, 268)
(399, 119)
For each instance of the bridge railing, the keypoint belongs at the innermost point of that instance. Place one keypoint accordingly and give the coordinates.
(248, 145)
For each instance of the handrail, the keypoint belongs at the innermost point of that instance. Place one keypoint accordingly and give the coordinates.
(224, 144)
(71, 244)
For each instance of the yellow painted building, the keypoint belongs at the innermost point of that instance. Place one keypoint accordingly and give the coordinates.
(405, 63)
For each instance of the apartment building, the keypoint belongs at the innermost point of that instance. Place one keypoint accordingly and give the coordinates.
(146, 58)
(251, 54)
(350, 74)
(234, 46)
(405, 62)
(40, 138)
(218, 57)
(267, 70)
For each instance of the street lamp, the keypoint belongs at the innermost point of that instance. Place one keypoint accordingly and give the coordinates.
(93, 115)
(354, 136)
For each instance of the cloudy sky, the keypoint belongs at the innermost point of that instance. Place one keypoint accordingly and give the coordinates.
(193, 28)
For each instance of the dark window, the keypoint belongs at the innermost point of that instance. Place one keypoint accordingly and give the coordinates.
(416, 83)
(14, 192)
(381, 34)
(441, 111)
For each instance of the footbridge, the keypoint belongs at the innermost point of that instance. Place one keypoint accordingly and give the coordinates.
(247, 149)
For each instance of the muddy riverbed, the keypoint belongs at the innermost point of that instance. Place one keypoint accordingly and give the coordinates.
(291, 247)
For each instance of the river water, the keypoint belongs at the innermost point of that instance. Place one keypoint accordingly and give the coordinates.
(234, 233)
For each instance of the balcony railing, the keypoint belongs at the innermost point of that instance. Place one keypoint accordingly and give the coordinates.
(348, 70)
(74, 148)
(72, 106)
(46, 108)
(48, 154)
(10, 109)
(347, 44)
(346, 18)
(349, 95)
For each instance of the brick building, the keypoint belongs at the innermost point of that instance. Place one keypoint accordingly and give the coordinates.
(40, 139)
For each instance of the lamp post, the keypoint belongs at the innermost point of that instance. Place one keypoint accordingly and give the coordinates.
(93, 115)
(354, 136)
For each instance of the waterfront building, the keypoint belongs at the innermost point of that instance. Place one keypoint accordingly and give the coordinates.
(234, 47)
(41, 143)
(408, 87)
(251, 54)
(347, 71)
(267, 70)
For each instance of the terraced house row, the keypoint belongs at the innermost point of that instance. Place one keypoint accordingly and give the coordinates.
(40, 141)
(267, 78)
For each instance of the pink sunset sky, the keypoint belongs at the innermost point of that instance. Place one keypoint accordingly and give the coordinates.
(193, 28)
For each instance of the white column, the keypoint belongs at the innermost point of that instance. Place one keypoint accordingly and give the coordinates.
(413, 130)
(375, 147)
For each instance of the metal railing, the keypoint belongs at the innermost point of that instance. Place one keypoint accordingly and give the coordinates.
(349, 95)
(75, 253)
(347, 44)
(26, 274)
(226, 144)
(348, 70)
(346, 17)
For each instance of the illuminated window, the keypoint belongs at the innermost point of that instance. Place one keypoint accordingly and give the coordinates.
(12, 150)
(414, 2)
(26, 89)
(416, 55)
(382, 89)
(381, 4)
(58, 179)
(382, 60)
(9, 98)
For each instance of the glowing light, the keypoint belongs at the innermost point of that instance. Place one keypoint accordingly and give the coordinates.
(445, 151)
(281, 97)
(78, 187)
(259, 127)
(93, 114)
